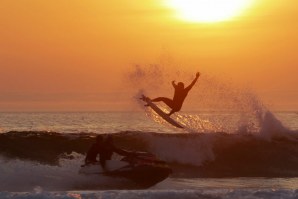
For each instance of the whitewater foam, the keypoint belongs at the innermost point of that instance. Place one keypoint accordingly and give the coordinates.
(18, 175)
(183, 150)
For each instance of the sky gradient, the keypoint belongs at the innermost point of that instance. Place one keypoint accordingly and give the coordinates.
(73, 55)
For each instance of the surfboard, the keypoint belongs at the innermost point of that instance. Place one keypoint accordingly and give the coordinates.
(162, 114)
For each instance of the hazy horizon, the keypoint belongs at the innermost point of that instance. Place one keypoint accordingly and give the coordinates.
(76, 55)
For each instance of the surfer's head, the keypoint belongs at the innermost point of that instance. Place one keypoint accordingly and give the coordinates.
(99, 138)
(180, 85)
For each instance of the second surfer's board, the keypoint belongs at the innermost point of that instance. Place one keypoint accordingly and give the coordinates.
(162, 114)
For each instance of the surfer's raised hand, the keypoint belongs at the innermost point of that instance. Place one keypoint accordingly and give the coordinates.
(173, 83)
(198, 74)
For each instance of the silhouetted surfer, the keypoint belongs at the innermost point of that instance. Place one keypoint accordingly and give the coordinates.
(105, 150)
(94, 150)
(179, 96)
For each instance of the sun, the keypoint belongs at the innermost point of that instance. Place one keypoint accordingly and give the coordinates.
(208, 11)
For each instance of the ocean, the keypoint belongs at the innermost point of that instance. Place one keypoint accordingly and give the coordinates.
(217, 155)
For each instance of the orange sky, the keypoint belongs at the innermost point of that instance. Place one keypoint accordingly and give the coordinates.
(71, 55)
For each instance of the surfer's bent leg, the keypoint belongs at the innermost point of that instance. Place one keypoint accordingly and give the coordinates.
(167, 101)
(172, 111)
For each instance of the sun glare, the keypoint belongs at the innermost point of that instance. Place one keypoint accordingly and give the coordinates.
(208, 11)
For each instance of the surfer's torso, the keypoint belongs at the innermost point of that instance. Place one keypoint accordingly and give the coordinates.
(179, 97)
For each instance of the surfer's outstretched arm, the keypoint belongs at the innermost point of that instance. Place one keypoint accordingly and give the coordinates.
(174, 85)
(193, 82)
(121, 151)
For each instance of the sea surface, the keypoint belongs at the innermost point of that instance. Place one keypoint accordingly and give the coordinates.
(217, 155)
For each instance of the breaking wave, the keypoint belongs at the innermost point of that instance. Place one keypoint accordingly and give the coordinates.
(190, 155)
